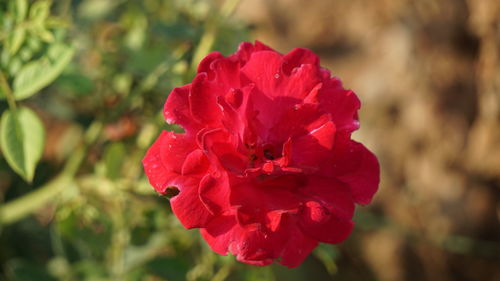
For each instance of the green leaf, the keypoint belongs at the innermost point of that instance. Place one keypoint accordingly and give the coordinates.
(38, 74)
(44, 34)
(40, 10)
(26, 54)
(39, 13)
(15, 39)
(21, 9)
(16, 36)
(14, 66)
(22, 138)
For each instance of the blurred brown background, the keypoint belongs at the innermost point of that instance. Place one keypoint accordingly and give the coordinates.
(428, 75)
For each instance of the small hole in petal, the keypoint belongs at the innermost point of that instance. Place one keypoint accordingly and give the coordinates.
(171, 192)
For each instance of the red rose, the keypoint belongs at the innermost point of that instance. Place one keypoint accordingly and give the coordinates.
(266, 167)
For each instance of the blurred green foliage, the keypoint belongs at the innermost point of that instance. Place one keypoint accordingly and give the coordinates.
(93, 75)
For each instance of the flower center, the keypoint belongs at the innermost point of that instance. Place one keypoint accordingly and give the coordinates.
(261, 154)
(268, 154)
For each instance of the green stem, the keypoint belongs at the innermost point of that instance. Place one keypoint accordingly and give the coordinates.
(228, 8)
(208, 38)
(7, 92)
(223, 273)
(19, 208)
(206, 42)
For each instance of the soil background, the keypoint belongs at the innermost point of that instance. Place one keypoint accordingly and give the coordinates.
(428, 75)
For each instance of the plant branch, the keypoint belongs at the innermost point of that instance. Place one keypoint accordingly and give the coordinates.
(7, 92)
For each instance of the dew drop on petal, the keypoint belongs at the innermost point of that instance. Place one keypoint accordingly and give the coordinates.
(276, 76)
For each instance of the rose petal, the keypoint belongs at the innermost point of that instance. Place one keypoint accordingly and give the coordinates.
(159, 176)
(219, 233)
(231, 118)
(222, 149)
(176, 109)
(224, 235)
(298, 57)
(202, 101)
(196, 162)
(205, 64)
(246, 49)
(365, 179)
(342, 105)
(268, 78)
(331, 193)
(301, 82)
(174, 150)
(296, 121)
(256, 202)
(335, 230)
(187, 205)
(314, 148)
(158, 164)
(214, 192)
(227, 74)
(298, 245)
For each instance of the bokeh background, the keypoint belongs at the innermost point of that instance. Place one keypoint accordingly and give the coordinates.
(428, 75)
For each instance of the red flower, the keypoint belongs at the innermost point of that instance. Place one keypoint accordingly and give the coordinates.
(266, 167)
